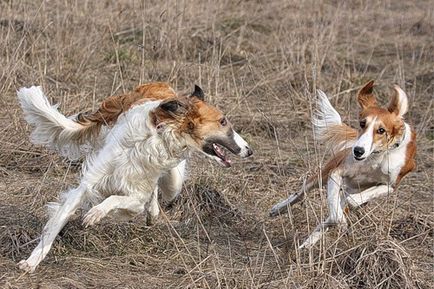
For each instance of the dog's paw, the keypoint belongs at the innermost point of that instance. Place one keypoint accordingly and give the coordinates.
(151, 220)
(94, 215)
(312, 239)
(27, 266)
(279, 209)
(282, 207)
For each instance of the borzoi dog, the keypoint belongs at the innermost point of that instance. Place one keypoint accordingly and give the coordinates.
(366, 163)
(139, 142)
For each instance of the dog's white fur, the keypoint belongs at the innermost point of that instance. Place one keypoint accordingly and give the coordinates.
(133, 160)
(52, 128)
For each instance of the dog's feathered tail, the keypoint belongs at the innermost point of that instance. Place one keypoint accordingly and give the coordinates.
(53, 129)
(328, 126)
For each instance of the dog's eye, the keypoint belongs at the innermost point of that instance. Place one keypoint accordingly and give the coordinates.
(362, 123)
(223, 121)
(381, 130)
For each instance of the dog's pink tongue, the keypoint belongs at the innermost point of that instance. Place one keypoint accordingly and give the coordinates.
(221, 154)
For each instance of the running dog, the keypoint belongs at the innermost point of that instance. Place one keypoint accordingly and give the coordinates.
(367, 163)
(139, 142)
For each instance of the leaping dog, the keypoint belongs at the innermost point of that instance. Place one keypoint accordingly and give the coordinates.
(367, 163)
(138, 142)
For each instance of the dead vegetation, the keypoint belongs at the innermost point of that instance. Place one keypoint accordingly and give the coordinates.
(260, 62)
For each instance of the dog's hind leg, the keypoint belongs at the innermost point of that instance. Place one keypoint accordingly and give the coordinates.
(131, 204)
(356, 200)
(52, 228)
(282, 207)
(171, 183)
(317, 234)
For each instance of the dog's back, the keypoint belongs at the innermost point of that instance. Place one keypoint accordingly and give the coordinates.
(70, 136)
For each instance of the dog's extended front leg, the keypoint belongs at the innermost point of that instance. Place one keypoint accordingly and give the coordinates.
(131, 204)
(171, 183)
(53, 227)
(335, 202)
(153, 209)
(356, 200)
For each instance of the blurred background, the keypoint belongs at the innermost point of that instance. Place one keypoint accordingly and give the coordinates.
(260, 62)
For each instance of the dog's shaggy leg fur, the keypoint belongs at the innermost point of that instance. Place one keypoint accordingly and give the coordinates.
(171, 183)
(131, 204)
(58, 219)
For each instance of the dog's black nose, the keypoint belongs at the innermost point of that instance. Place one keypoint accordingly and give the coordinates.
(249, 152)
(358, 152)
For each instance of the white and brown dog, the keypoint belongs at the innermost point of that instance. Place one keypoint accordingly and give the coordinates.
(138, 142)
(366, 163)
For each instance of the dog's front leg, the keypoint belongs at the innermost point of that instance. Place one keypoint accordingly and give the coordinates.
(53, 227)
(335, 202)
(132, 204)
(153, 209)
(356, 200)
(171, 183)
(335, 199)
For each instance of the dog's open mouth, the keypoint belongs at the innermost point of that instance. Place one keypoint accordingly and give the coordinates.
(220, 154)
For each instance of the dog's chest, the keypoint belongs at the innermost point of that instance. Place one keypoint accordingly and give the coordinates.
(381, 170)
(361, 177)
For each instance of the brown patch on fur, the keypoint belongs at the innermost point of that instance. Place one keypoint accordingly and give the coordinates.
(206, 121)
(392, 123)
(331, 165)
(366, 97)
(410, 163)
(112, 107)
(334, 163)
(194, 117)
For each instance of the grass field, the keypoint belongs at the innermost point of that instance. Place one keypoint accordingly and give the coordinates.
(260, 62)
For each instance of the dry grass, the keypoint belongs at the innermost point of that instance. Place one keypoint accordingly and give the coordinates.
(260, 62)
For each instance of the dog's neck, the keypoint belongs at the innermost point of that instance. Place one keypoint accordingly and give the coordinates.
(173, 143)
(405, 138)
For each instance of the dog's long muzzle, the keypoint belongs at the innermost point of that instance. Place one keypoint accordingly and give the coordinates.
(245, 150)
(214, 148)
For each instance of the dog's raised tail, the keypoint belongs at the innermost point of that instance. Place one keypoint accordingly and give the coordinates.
(328, 126)
(51, 128)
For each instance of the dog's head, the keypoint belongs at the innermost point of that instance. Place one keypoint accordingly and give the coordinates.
(203, 126)
(380, 128)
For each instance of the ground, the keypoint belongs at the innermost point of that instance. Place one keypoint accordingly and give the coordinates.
(260, 62)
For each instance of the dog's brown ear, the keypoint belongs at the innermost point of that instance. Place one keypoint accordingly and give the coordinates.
(173, 106)
(366, 97)
(167, 112)
(198, 93)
